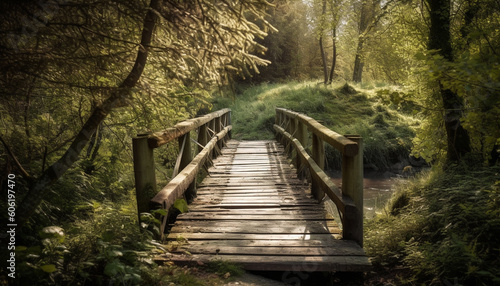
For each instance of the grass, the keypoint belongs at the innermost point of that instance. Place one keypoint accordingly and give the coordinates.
(387, 132)
(444, 226)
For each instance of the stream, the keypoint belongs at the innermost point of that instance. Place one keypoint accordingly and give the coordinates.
(378, 190)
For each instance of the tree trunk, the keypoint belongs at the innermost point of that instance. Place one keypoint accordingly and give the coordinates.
(39, 189)
(334, 55)
(321, 48)
(458, 142)
(358, 62)
(323, 58)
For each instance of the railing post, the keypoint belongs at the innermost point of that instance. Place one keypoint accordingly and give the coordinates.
(211, 125)
(278, 122)
(186, 158)
(318, 155)
(217, 130)
(202, 137)
(229, 135)
(301, 135)
(144, 173)
(291, 126)
(352, 186)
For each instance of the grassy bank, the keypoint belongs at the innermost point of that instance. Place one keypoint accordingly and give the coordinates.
(443, 228)
(387, 132)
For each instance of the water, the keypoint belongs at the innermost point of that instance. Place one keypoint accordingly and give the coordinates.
(377, 191)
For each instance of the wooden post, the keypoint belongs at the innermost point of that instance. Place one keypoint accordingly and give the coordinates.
(211, 125)
(318, 155)
(202, 136)
(230, 122)
(352, 186)
(144, 172)
(186, 158)
(277, 121)
(291, 126)
(217, 130)
(301, 135)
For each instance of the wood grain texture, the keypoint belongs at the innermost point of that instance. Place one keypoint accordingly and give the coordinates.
(253, 210)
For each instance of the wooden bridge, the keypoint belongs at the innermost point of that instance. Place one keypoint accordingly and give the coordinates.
(254, 207)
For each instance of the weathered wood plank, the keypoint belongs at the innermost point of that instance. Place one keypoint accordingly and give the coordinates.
(274, 251)
(190, 236)
(342, 245)
(281, 263)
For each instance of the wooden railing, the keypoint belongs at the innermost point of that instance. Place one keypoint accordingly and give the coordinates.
(213, 129)
(292, 130)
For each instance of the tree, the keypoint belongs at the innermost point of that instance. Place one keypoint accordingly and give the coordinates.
(329, 19)
(288, 47)
(74, 55)
(458, 141)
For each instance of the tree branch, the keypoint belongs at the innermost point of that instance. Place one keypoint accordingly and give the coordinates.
(118, 98)
(18, 165)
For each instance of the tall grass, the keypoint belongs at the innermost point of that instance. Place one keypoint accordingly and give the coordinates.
(443, 227)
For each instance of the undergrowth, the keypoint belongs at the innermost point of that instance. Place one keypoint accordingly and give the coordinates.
(443, 228)
(387, 132)
(105, 246)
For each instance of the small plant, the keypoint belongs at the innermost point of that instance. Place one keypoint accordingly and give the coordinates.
(225, 268)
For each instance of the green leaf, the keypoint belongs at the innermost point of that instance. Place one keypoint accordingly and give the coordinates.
(161, 212)
(49, 268)
(113, 268)
(181, 205)
(21, 248)
(52, 232)
(108, 235)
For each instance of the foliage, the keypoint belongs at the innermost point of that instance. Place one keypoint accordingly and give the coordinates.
(222, 267)
(106, 248)
(387, 133)
(447, 231)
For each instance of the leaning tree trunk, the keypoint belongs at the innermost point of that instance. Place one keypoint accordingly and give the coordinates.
(39, 189)
(458, 141)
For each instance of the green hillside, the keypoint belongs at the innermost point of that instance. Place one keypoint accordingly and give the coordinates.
(387, 132)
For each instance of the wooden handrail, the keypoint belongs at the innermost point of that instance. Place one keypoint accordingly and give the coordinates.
(213, 129)
(157, 139)
(339, 142)
(291, 127)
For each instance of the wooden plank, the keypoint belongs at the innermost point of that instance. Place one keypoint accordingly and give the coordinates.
(280, 263)
(319, 224)
(242, 217)
(347, 245)
(274, 251)
(299, 229)
(253, 236)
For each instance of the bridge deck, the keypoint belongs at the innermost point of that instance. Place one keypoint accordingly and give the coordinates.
(253, 210)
